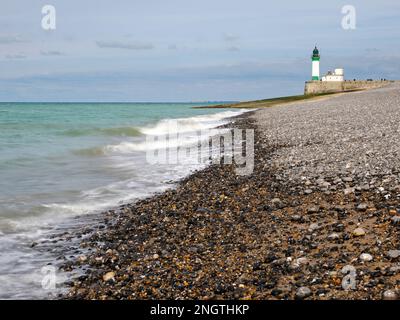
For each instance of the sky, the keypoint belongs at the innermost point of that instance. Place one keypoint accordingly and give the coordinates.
(186, 50)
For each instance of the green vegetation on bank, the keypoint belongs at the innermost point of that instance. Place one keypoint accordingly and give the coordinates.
(267, 102)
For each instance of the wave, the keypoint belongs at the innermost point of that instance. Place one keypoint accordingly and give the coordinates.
(187, 131)
(182, 140)
(180, 132)
(170, 126)
(120, 132)
(91, 152)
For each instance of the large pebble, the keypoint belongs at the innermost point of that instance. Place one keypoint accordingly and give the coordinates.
(393, 254)
(362, 207)
(359, 232)
(303, 292)
(366, 257)
(109, 276)
(389, 295)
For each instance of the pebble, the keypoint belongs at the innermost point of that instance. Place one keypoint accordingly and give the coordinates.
(109, 276)
(339, 227)
(302, 260)
(390, 295)
(395, 269)
(348, 191)
(303, 292)
(362, 207)
(359, 232)
(82, 258)
(396, 220)
(296, 217)
(393, 254)
(366, 257)
(333, 236)
(313, 209)
(313, 227)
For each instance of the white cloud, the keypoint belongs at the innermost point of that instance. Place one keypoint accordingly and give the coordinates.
(125, 45)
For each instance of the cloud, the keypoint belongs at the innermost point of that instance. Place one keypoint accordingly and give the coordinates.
(11, 39)
(16, 56)
(228, 37)
(233, 49)
(172, 47)
(125, 45)
(51, 53)
(372, 50)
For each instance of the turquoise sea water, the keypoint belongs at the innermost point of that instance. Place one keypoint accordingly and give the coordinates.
(63, 160)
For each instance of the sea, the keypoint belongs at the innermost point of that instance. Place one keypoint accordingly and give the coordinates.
(60, 162)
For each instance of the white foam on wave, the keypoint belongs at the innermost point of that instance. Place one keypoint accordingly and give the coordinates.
(168, 126)
(183, 139)
(187, 131)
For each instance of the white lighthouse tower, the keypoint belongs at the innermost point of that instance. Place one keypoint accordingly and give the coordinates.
(315, 64)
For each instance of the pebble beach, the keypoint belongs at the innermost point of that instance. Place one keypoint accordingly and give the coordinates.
(323, 199)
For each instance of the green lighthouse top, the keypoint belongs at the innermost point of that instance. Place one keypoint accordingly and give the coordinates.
(315, 55)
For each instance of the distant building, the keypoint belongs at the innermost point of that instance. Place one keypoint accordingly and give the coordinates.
(337, 75)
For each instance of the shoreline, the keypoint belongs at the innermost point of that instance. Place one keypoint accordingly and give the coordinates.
(263, 236)
(278, 101)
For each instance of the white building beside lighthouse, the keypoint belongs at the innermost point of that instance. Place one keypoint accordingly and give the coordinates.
(337, 75)
(331, 76)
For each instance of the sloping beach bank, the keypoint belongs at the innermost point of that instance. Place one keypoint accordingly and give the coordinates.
(321, 204)
(279, 101)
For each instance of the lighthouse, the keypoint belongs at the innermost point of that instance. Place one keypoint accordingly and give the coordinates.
(315, 64)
